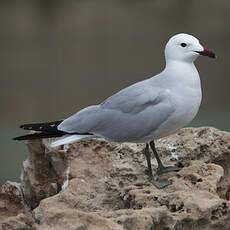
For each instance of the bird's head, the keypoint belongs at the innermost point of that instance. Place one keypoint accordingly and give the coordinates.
(185, 47)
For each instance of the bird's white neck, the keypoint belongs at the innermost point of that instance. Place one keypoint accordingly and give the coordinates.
(177, 65)
(182, 73)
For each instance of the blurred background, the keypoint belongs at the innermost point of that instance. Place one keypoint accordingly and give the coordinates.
(57, 57)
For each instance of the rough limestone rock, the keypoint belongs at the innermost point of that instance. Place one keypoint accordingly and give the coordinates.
(13, 214)
(43, 173)
(99, 185)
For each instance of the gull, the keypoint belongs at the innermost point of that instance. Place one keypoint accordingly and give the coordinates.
(143, 112)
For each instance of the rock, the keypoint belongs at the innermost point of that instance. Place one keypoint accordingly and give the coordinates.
(19, 222)
(205, 144)
(44, 172)
(61, 217)
(13, 214)
(97, 184)
(11, 199)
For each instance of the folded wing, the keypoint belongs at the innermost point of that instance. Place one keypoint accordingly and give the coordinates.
(129, 115)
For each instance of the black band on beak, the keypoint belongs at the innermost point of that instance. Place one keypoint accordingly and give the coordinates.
(207, 52)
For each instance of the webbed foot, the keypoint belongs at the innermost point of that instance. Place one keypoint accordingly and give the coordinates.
(166, 169)
(161, 183)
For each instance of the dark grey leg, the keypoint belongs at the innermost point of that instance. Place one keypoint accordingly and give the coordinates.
(148, 159)
(159, 183)
(161, 168)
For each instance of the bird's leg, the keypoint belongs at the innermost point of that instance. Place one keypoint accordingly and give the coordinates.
(161, 168)
(158, 183)
(148, 159)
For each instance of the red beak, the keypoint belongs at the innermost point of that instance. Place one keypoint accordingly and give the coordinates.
(207, 52)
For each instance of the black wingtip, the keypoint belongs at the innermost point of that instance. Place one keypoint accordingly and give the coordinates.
(25, 137)
(17, 139)
(45, 126)
(39, 135)
(27, 126)
(21, 138)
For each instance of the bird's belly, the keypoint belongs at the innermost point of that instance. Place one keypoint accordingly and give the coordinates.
(185, 111)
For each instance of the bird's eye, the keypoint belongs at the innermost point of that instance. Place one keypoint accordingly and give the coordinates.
(183, 45)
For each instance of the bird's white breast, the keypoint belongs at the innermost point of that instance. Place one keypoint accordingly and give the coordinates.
(185, 96)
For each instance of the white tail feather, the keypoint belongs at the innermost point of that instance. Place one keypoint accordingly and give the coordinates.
(67, 139)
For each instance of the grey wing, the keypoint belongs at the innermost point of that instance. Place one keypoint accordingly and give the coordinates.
(133, 99)
(126, 116)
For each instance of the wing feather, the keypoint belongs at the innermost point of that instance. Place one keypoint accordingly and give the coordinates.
(128, 115)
